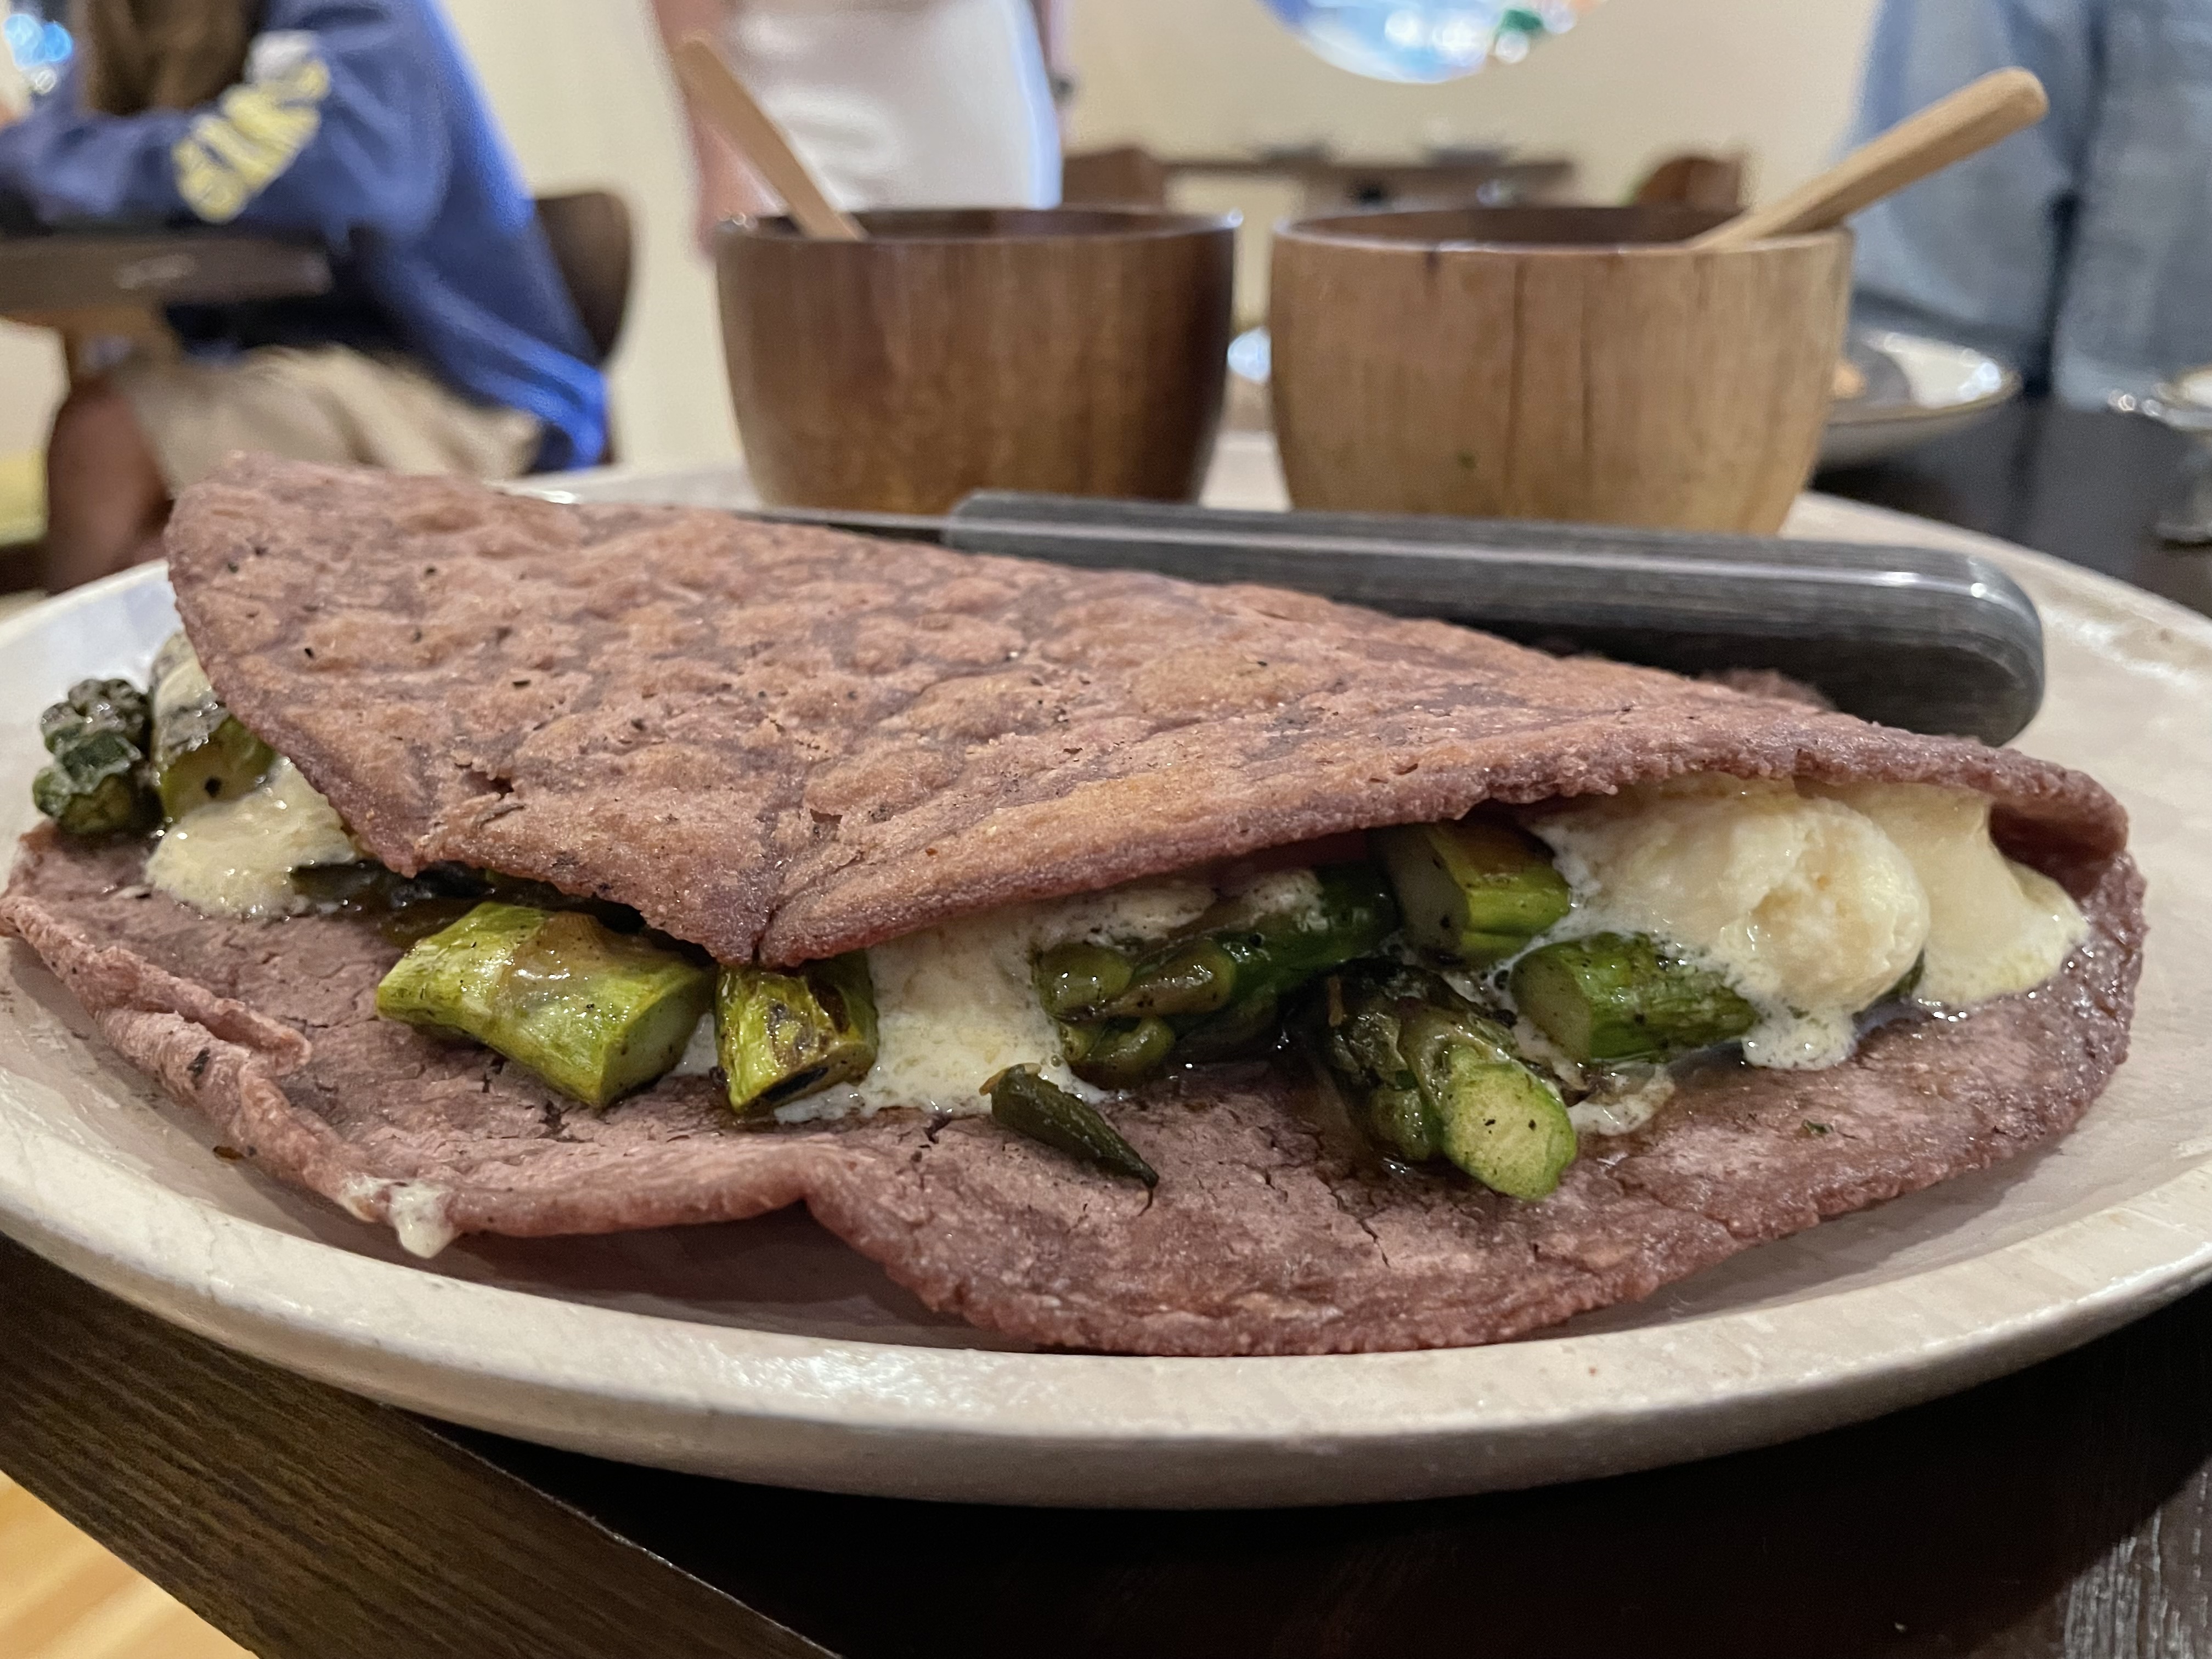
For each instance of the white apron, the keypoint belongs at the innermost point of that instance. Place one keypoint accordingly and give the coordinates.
(906, 103)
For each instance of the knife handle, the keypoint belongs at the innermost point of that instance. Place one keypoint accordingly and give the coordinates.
(1924, 638)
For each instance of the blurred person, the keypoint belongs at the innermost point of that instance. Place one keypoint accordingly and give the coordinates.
(892, 103)
(2080, 251)
(448, 344)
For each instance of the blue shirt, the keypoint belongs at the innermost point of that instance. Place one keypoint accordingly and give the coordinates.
(2081, 249)
(358, 122)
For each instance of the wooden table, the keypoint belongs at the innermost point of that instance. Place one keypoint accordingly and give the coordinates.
(2066, 1510)
(91, 283)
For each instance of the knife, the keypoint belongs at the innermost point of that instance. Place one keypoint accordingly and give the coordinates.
(1924, 638)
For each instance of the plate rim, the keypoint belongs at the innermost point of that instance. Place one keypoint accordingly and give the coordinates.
(1848, 413)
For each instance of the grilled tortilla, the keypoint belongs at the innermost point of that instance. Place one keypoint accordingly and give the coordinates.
(779, 744)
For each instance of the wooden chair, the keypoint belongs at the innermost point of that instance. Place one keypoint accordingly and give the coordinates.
(593, 247)
(1696, 180)
(589, 232)
(1125, 177)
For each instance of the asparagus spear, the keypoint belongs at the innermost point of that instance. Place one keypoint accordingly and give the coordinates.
(1228, 955)
(594, 1013)
(97, 736)
(1474, 891)
(1244, 1027)
(1439, 1078)
(1621, 996)
(91, 705)
(1073, 980)
(1022, 1101)
(1118, 1053)
(1212, 992)
(200, 752)
(93, 786)
(406, 908)
(781, 1035)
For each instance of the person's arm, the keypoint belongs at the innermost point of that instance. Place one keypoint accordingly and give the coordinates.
(1974, 253)
(728, 186)
(334, 130)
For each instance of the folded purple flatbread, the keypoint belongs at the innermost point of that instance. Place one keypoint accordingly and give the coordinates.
(788, 742)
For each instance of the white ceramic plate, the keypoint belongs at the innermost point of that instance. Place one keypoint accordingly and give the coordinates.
(1939, 389)
(766, 1351)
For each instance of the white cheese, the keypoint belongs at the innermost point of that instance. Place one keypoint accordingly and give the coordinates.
(699, 1054)
(233, 858)
(415, 1210)
(1996, 927)
(1807, 906)
(1293, 893)
(1622, 1101)
(185, 685)
(955, 1005)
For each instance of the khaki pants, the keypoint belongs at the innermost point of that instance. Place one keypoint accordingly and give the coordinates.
(320, 403)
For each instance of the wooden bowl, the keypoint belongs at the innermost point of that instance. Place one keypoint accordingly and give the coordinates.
(1553, 363)
(1077, 351)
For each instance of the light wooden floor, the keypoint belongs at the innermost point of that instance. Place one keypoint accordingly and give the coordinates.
(62, 1596)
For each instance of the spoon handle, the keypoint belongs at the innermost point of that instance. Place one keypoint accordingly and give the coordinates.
(1951, 129)
(723, 98)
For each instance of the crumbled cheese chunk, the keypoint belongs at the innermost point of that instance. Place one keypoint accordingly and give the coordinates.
(235, 858)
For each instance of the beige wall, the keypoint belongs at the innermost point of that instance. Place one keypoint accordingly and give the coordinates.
(1637, 78)
(585, 100)
(30, 385)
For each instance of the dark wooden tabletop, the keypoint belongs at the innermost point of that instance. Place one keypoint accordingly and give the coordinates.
(2066, 1510)
(62, 271)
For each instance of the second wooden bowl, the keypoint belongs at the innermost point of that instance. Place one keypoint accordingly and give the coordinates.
(1571, 362)
(1075, 350)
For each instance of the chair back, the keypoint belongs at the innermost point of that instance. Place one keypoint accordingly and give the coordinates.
(1124, 177)
(1695, 180)
(589, 232)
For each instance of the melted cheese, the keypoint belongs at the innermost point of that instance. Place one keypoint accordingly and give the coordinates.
(234, 858)
(1996, 927)
(415, 1210)
(1813, 901)
(955, 1005)
(1808, 907)
(1622, 1102)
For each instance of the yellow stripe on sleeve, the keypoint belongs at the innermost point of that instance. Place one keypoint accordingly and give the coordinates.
(227, 158)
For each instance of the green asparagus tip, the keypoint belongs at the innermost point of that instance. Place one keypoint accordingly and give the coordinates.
(1439, 1079)
(1621, 996)
(1474, 891)
(1023, 1101)
(595, 1013)
(781, 1035)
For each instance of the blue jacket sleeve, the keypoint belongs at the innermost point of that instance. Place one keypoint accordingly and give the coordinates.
(336, 129)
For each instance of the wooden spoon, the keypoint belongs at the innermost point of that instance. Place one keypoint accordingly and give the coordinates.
(1950, 129)
(722, 98)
